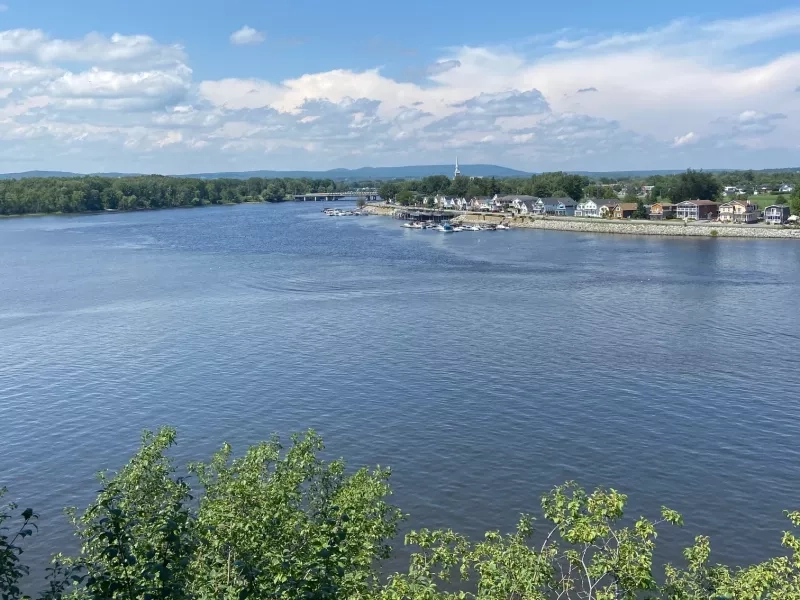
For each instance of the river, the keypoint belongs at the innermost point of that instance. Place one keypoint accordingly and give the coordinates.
(484, 368)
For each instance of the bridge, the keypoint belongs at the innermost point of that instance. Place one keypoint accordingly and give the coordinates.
(367, 194)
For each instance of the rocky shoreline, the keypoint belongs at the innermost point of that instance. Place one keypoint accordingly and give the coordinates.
(666, 228)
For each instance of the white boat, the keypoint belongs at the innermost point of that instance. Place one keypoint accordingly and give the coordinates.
(472, 228)
(503, 226)
(408, 225)
(418, 225)
(458, 228)
(445, 228)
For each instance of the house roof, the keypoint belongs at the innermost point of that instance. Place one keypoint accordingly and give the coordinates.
(512, 197)
(742, 202)
(781, 206)
(597, 201)
(664, 204)
(627, 206)
(567, 201)
(528, 204)
(699, 202)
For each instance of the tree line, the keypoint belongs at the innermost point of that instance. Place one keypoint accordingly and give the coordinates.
(90, 194)
(281, 523)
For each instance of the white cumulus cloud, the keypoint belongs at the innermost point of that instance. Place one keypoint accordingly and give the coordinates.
(682, 140)
(247, 36)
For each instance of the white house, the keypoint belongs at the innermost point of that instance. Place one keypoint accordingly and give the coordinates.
(519, 201)
(564, 207)
(526, 207)
(786, 188)
(502, 203)
(589, 207)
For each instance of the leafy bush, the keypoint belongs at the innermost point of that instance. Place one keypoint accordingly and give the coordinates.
(280, 524)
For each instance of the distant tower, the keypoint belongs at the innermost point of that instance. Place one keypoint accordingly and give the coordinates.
(457, 172)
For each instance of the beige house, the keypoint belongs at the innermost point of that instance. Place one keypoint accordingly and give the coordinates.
(662, 210)
(739, 211)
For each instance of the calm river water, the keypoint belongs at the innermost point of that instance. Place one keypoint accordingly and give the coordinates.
(483, 367)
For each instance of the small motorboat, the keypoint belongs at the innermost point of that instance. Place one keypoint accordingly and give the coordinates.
(472, 228)
(503, 227)
(445, 228)
(408, 225)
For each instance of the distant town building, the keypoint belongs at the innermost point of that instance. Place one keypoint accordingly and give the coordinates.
(457, 172)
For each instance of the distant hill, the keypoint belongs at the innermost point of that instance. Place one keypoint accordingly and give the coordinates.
(374, 173)
(30, 174)
(362, 174)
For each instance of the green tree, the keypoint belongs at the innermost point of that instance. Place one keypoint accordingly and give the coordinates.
(641, 210)
(405, 198)
(695, 185)
(794, 201)
(388, 190)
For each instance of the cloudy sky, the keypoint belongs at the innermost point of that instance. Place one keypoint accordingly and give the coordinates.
(177, 86)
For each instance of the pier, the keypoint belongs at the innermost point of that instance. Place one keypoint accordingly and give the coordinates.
(420, 215)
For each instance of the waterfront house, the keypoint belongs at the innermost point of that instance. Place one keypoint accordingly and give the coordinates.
(589, 207)
(519, 202)
(738, 211)
(696, 209)
(482, 203)
(504, 203)
(662, 210)
(776, 214)
(624, 210)
(562, 207)
(786, 188)
(526, 206)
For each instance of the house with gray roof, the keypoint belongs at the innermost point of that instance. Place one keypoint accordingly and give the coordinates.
(562, 207)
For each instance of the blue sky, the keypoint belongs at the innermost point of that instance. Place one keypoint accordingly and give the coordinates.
(178, 86)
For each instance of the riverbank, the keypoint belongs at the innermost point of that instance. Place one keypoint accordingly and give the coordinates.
(587, 225)
(114, 211)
